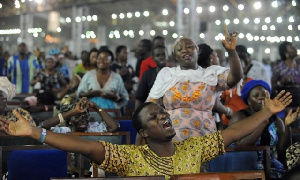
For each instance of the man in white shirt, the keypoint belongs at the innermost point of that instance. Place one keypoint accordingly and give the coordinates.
(255, 69)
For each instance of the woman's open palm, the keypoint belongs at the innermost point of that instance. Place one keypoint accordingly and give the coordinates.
(291, 117)
(281, 101)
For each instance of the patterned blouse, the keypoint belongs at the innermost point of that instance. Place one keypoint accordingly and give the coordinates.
(49, 81)
(193, 102)
(142, 161)
(280, 71)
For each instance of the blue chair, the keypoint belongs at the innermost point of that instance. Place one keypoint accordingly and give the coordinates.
(37, 164)
(126, 125)
(241, 159)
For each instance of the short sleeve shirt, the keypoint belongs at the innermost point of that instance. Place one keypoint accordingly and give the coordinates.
(142, 161)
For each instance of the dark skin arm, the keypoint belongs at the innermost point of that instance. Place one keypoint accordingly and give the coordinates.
(236, 71)
(97, 93)
(112, 124)
(81, 106)
(37, 108)
(284, 133)
(91, 149)
(243, 128)
(221, 108)
(252, 138)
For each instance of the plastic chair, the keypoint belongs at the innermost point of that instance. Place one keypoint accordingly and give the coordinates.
(37, 164)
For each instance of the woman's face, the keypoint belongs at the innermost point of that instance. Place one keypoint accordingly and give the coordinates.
(50, 64)
(186, 54)
(291, 51)
(215, 59)
(103, 61)
(80, 122)
(93, 59)
(256, 98)
(123, 55)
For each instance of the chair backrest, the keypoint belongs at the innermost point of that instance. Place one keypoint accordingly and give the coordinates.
(115, 138)
(38, 163)
(118, 178)
(241, 159)
(222, 176)
(126, 125)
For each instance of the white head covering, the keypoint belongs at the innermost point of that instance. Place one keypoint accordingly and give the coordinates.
(7, 87)
(50, 57)
(168, 77)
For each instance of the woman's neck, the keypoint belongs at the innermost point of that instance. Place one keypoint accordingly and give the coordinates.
(187, 68)
(290, 63)
(103, 71)
(50, 71)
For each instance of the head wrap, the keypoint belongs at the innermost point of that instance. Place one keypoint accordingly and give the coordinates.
(50, 57)
(293, 155)
(179, 39)
(54, 52)
(252, 84)
(7, 87)
(67, 103)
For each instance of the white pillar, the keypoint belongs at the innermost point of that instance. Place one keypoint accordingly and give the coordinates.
(26, 22)
(179, 24)
(146, 28)
(194, 22)
(102, 36)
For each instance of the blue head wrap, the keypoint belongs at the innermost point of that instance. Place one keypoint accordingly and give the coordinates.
(252, 84)
(54, 52)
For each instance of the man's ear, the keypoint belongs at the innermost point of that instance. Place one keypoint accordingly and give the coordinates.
(143, 133)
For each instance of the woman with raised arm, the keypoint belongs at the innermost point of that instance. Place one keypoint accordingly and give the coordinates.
(276, 133)
(188, 91)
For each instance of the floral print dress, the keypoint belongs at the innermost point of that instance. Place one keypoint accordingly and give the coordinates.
(190, 106)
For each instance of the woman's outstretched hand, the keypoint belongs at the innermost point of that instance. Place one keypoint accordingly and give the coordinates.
(281, 101)
(230, 40)
(291, 117)
(21, 127)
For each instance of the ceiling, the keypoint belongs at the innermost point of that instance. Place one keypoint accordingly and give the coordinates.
(9, 18)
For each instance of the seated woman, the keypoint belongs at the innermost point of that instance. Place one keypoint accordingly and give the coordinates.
(275, 133)
(76, 117)
(103, 86)
(49, 80)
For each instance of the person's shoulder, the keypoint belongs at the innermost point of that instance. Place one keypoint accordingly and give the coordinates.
(151, 71)
(115, 66)
(257, 63)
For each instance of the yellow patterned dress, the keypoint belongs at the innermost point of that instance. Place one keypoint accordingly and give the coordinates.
(131, 160)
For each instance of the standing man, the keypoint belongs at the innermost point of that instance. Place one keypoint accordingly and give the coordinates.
(21, 68)
(149, 62)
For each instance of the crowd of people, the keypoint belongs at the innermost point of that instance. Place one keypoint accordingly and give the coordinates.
(186, 112)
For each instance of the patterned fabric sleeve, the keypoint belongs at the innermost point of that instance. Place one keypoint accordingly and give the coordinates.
(116, 158)
(222, 81)
(211, 145)
(62, 81)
